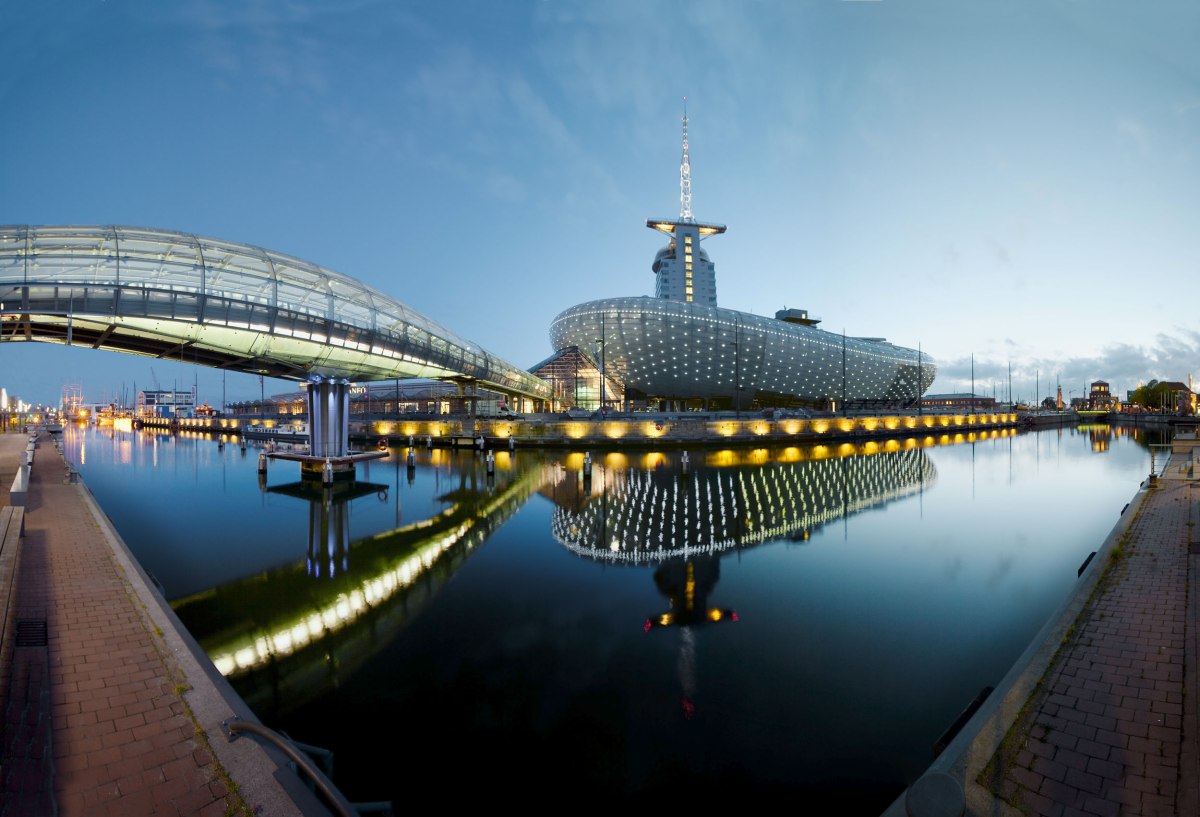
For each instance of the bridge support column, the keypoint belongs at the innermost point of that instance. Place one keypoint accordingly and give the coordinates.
(328, 418)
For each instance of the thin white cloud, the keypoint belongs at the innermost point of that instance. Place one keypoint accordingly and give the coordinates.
(1135, 133)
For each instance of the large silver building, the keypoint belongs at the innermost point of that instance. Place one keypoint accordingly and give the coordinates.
(680, 348)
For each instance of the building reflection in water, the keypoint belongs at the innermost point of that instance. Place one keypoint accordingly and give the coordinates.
(1100, 434)
(289, 634)
(682, 518)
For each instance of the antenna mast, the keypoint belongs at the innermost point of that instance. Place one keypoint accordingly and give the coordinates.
(685, 175)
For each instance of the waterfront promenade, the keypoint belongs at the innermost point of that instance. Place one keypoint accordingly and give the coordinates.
(119, 712)
(109, 707)
(1100, 715)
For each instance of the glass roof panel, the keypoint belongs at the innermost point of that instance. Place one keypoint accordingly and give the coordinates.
(138, 257)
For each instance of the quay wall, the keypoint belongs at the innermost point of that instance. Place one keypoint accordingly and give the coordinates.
(632, 430)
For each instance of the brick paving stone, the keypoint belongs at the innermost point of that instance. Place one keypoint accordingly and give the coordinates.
(1106, 736)
(106, 732)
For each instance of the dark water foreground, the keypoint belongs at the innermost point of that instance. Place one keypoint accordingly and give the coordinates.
(797, 621)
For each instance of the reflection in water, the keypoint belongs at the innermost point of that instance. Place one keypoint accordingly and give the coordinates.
(646, 516)
(1101, 435)
(684, 520)
(328, 519)
(286, 635)
(535, 663)
(687, 583)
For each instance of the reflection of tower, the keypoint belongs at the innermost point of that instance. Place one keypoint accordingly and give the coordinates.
(684, 521)
(686, 584)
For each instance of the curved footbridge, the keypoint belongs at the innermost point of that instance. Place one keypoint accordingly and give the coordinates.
(209, 302)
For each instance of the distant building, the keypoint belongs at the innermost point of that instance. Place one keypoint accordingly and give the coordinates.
(959, 402)
(177, 404)
(1100, 398)
(1179, 397)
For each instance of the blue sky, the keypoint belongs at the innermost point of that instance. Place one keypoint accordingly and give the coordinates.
(1003, 184)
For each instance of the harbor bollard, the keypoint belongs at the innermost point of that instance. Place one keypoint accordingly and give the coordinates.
(327, 472)
(410, 441)
(262, 463)
(512, 443)
(587, 464)
(491, 462)
(429, 441)
(685, 462)
(412, 458)
(479, 442)
(243, 443)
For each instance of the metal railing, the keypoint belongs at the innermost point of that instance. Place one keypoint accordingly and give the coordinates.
(1160, 456)
(303, 761)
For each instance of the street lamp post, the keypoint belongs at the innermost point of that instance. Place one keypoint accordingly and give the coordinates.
(600, 357)
(844, 372)
(600, 341)
(737, 369)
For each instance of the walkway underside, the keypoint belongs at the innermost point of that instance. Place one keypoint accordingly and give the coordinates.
(273, 350)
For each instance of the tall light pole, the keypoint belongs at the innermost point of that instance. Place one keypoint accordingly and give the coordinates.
(920, 377)
(737, 369)
(600, 355)
(844, 374)
(972, 382)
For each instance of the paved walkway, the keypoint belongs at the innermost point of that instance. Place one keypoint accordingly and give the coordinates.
(1100, 716)
(106, 709)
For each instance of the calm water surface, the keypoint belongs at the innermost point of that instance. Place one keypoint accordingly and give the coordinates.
(800, 621)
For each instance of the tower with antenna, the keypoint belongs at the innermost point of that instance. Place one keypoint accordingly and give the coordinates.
(682, 269)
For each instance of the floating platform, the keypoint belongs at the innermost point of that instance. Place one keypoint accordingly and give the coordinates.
(326, 468)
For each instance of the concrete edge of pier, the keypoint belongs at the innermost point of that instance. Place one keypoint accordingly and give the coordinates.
(949, 786)
(265, 781)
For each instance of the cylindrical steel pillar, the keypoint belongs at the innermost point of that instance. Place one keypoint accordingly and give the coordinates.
(328, 418)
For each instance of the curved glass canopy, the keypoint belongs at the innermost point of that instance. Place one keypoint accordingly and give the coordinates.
(218, 303)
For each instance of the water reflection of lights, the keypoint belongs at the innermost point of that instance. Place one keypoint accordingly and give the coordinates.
(645, 516)
(458, 529)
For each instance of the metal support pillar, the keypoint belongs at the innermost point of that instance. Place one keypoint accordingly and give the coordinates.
(329, 418)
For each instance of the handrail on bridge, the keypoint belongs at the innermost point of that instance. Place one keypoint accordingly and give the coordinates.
(337, 800)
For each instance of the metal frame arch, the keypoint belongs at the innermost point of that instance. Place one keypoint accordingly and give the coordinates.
(233, 310)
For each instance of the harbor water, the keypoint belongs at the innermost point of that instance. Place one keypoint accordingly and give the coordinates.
(551, 626)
